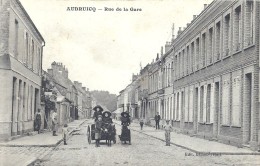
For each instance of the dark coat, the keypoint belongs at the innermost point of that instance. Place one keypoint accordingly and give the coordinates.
(38, 121)
(157, 118)
(96, 113)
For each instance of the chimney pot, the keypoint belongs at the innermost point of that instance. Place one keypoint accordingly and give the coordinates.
(205, 5)
(194, 16)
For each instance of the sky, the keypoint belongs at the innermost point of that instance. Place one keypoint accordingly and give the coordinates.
(102, 49)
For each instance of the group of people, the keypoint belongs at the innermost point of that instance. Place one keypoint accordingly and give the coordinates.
(101, 119)
(167, 127)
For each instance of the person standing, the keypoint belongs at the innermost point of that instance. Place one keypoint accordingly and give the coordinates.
(168, 129)
(141, 124)
(54, 122)
(98, 129)
(38, 121)
(157, 119)
(65, 133)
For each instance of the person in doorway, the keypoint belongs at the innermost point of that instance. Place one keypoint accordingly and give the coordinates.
(65, 134)
(38, 121)
(168, 129)
(157, 119)
(54, 122)
(141, 124)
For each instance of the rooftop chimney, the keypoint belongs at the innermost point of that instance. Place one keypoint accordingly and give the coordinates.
(162, 50)
(194, 16)
(205, 6)
(157, 57)
(179, 31)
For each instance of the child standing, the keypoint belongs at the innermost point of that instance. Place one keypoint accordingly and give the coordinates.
(141, 124)
(98, 129)
(168, 128)
(65, 133)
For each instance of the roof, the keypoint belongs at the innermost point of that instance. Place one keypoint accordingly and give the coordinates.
(30, 20)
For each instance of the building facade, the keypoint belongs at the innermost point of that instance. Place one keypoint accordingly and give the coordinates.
(207, 81)
(21, 47)
(216, 74)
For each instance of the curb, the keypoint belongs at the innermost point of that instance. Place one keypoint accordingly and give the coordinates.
(33, 161)
(201, 153)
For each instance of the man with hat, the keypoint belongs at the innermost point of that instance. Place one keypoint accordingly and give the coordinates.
(97, 111)
(168, 128)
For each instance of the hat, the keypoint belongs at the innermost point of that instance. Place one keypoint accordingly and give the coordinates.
(98, 106)
(123, 113)
(99, 116)
(106, 112)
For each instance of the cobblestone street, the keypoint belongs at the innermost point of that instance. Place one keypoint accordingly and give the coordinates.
(23, 155)
(143, 151)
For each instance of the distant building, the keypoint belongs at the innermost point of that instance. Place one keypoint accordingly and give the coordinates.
(21, 47)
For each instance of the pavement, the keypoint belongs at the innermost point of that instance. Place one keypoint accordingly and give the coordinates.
(19, 151)
(194, 144)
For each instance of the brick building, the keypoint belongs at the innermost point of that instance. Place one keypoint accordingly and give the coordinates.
(216, 74)
(21, 46)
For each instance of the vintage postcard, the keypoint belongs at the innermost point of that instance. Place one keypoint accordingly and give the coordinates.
(129, 82)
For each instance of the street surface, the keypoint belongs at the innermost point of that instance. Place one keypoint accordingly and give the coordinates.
(143, 151)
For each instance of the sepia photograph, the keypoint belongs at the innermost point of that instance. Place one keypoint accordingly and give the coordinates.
(129, 82)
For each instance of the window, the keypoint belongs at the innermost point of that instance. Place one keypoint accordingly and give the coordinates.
(226, 36)
(190, 118)
(186, 105)
(249, 23)
(203, 51)
(183, 62)
(16, 35)
(26, 48)
(192, 57)
(225, 102)
(197, 53)
(210, 46)
(188, 59)
(180, 66)
(237, 29)
(236, 101)
(176, 67)
(32, 55)
(178, 107)
(172, 73)
(208, 103)
(218, 41)
(201, 104)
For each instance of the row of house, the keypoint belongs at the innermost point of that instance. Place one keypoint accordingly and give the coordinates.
(25, 87)
(71, 100)
(207, 80)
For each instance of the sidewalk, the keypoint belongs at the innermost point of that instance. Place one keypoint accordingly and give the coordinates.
(193, 144)
(26, 150)
(43, 139)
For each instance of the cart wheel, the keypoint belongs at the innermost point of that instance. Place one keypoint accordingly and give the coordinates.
(89, 135)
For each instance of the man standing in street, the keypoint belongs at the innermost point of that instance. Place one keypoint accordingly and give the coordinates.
(157, 119)
(54, 122)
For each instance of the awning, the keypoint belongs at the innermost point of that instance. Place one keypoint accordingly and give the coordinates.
(118, 111)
